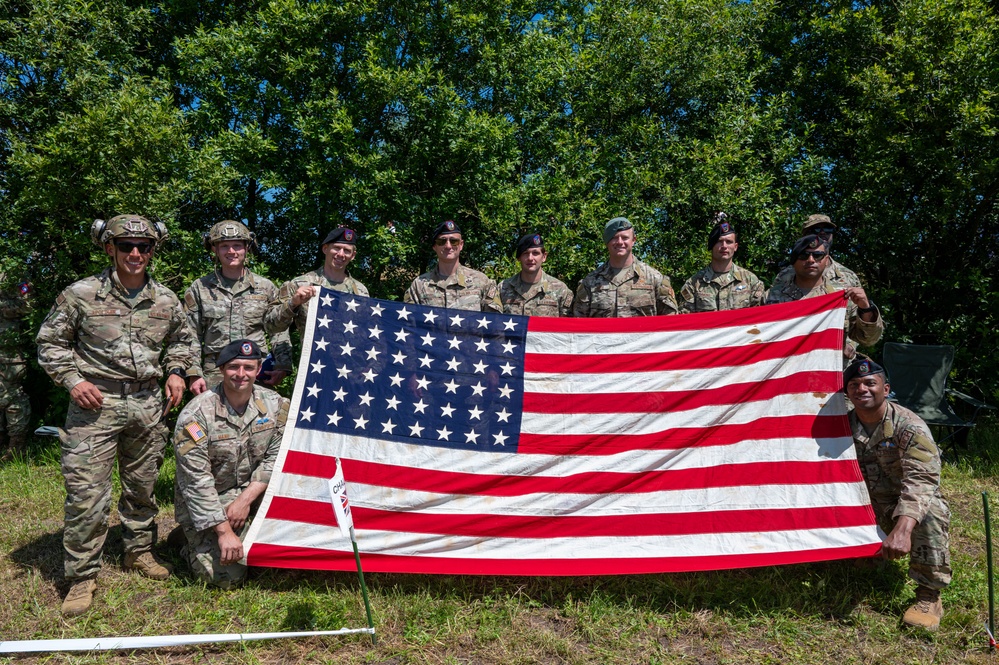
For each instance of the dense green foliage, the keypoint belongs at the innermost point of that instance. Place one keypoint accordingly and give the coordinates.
(511, 116)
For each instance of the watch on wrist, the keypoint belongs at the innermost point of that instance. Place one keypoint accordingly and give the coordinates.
(176, 371)
(871, 307)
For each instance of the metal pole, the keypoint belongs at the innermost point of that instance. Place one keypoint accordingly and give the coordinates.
(988, 560)
(364, 588)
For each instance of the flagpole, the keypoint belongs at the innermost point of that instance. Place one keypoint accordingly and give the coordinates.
(990, 628)
(364, 587)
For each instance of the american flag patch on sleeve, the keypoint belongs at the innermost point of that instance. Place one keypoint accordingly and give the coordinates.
(194, 431)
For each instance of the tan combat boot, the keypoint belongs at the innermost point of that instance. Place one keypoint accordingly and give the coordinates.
(79, 598)
(146, 564)
(927, 611)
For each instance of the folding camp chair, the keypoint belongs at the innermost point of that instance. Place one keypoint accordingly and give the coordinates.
(918, 375)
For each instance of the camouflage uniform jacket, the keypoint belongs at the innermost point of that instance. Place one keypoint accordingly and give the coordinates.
(636, 290)
(219, 314)
(836, 273)
(220, 452)
(13, 306)
(862, 332)
(465, 289)
(547, 297)
(94, 331)
(280, 313)
(900, 462)
(710, 291)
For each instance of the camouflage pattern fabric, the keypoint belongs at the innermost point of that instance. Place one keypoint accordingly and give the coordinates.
(835, 273)
(636, 290)
(219, 314)
(95, 333)
(130, 427)
(15, 409)
(548, 297)
(710, 291)
(280, 313)
(858, 330)
(219, 453)
(466, 289)
(901, 465)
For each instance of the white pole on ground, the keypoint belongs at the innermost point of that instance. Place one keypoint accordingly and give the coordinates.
(157, 641)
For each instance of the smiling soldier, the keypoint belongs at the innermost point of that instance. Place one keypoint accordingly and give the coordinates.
(102, 341)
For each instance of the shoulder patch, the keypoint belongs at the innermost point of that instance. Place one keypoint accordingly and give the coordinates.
(194, 431)
(283, 415)
(186, 448)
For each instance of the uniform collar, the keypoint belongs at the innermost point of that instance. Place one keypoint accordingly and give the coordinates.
(459, 277)
(110, 283)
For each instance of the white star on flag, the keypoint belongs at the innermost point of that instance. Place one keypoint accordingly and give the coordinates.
(324, 322)
(318, 366)
(307, 415)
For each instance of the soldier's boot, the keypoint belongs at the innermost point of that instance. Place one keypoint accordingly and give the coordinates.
(927, 610)
(79, 598)
(177, 539)
(18, 443)
(146, 564)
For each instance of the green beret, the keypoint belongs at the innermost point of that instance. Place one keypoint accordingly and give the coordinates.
(613, 227)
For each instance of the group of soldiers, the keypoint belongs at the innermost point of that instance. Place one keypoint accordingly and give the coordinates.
(109, 339)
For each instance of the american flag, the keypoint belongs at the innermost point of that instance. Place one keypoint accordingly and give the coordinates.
(478, 443)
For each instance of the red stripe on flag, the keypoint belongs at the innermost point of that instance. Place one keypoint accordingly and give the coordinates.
(706, 320)
(448, 482)
(566, 363)
(682, 400)
(790, 427)
(279, 556)
(547, 526)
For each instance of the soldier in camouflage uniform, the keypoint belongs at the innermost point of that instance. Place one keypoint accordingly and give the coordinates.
(901, 465)
(624, 286)
(340, 248)
(722, 285)
(102, 341)
(15, 409)
(451, 284)
(822, 226)
(230, 304)
(534, 292)
(226, 440)
(810, 258)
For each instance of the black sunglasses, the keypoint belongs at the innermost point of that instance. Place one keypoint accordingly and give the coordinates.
(127, 246)
(818, 256)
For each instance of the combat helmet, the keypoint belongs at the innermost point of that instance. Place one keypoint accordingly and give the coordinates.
(126, 226)
(229, 229)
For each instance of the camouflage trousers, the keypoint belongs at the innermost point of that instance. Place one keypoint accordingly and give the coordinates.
(130, 427)
(204, 556)
(15, 409)
(929, 558)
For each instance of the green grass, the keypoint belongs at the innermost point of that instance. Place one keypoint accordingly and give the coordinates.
(815, 613)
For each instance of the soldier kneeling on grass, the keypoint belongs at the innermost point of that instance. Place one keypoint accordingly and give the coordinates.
(226, 442)
(901, 465)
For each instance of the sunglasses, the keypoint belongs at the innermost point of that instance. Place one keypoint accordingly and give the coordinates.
(127, 247)
(818, 256)
(440, 242)
(823, 231)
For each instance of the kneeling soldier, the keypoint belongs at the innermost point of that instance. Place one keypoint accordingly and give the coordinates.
(226, 442)
(901, 465)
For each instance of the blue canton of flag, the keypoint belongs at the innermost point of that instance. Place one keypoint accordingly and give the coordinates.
(421, 375)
